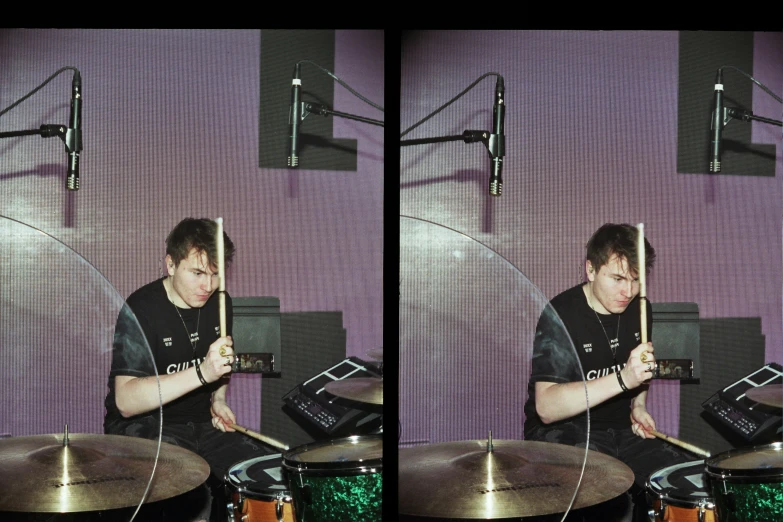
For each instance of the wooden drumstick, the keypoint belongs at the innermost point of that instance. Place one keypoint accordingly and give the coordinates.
(221, 276)
(263, 438)
(684, 445)
(642, 285)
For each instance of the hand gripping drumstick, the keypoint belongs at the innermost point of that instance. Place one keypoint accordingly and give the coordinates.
(643, 355)
(677, 442)
(642, 270)
(223, 330)
(263, 438)
(221, 254)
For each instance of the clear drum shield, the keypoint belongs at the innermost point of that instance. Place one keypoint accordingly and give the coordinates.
(57, 324)
(467, 325)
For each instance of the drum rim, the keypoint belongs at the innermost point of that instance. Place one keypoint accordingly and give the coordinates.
(241, 486)
(335, 472)
(708, 502)
(713, 469)
(665, 494)
(359, 466)
(252, 461)
(286, 495)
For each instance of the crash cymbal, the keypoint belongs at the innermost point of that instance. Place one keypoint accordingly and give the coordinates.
(771, 395)
(38, 474)
(362, 389)
(517, 479)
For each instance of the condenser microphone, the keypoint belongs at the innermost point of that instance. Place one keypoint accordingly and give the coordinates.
(73, 136)
(497, 140)
(295, 117)
(717, 123)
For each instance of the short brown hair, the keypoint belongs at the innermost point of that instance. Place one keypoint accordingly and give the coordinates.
(200, 234)
(621, 240)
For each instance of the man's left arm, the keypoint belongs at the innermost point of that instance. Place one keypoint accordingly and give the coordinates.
(222, 415)
(641, 420)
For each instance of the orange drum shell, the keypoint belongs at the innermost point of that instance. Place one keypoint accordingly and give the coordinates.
(256, 510)
(681, 514)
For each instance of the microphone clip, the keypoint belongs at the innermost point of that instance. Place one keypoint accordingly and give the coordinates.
(71, 137)
(496, 145)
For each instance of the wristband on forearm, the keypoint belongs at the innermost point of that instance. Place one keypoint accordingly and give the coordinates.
(620, 380)
(200, 375)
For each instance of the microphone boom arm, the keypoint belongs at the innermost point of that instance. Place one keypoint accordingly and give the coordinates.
(323, 110)
(745, 115)
(468, 136)
(46, 131)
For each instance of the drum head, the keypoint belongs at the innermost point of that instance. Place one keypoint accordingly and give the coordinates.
(682, 482)
(360, 453)
(756, 462)
(261, 477)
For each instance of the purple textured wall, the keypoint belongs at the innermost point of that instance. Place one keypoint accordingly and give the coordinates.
(591, 137)
(170, 125)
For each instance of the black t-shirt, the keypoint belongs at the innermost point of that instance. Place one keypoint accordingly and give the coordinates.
(171, 348)
(554, 361)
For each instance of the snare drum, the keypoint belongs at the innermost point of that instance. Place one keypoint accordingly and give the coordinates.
(337, 480)
(748, 483)
(680, 493)
(258, 491)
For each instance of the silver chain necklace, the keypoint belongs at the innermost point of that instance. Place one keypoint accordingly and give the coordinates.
(617, 336)
(193, 342)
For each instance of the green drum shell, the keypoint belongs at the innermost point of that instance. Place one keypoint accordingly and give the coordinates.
(344, 488)
(747, 484)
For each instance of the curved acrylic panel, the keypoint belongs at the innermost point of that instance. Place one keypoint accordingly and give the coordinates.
(57, 324)
(468, 319)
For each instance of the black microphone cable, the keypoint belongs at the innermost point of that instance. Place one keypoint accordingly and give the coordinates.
(338, 80)
(457, 97)
(23, 98)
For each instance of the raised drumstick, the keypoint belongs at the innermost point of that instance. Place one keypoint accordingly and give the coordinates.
(642, 283)
(221, 276)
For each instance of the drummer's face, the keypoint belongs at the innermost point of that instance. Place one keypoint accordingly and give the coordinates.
(193, 280)
(614, 286)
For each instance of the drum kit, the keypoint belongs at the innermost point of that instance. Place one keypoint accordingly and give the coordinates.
(512, 478)
(325, 481)
(86, 475)
(319, 482)
(738, 485)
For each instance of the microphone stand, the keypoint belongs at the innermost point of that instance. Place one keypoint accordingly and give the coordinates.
(323, 110)
(490, 141)
(493, 140)
(70, 136)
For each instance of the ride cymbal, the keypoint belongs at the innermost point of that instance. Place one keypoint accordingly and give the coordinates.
(517, 479)
(771, 395)
(92, 472)
(362, 389)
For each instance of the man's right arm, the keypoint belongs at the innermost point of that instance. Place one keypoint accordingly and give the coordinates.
(560, 401)
(137, 395)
